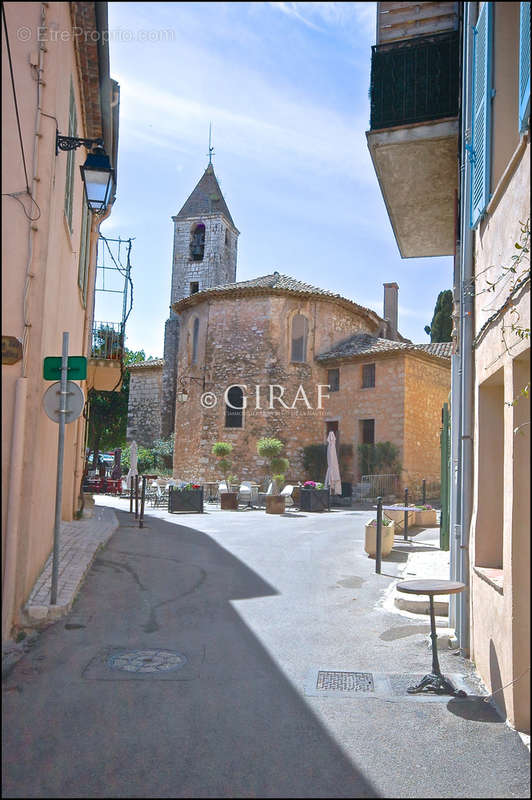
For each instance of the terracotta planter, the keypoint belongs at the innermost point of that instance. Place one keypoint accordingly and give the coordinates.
(426, 519)
(370, 541)
(275, 504)
(229, 501)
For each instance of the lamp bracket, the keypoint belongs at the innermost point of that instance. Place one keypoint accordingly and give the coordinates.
(73, 142)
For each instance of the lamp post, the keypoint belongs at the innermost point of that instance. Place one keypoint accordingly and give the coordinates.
(96, 173)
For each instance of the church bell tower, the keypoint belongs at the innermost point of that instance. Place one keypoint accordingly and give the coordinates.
(205, 253)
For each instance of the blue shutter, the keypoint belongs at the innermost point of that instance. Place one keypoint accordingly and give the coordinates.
(524, 67)
(482, 94)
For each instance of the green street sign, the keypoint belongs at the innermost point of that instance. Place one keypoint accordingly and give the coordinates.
(77, 368)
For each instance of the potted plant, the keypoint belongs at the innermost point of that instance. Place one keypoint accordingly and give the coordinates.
(425, 516)
(270, 448)
(188, 498)
(228, 500)
(370, 540)
(314, 497)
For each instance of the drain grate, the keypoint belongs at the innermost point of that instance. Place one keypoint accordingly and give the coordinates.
(147, 661)
(345, 681)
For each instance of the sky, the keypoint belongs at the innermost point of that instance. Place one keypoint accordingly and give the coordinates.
(285, 86)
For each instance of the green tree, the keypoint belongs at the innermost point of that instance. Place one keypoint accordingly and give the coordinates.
(270, 449)
(108, 411)
(441, 326)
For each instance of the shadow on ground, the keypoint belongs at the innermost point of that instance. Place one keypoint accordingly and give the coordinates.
(230, 724)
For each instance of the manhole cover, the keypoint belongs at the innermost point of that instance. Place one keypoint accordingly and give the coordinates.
(147, 661)
(346, 681)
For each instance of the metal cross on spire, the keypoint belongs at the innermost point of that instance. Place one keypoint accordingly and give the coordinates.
(211, 149)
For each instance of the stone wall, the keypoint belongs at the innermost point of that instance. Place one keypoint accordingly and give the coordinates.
(246, 340)
(144, 407)
(384, 403)
(427, 386)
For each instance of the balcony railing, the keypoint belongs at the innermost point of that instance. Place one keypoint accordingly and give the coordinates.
(107, 340)
(414, 80)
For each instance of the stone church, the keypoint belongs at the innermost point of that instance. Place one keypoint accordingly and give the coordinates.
(274, 356)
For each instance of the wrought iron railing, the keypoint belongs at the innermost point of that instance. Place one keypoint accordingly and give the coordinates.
(107, 340)
(372, 486)
(414, 80)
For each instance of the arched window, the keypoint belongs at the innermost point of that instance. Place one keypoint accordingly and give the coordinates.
(234, 407)
(197, 243)
(299, 338)
(195, 336)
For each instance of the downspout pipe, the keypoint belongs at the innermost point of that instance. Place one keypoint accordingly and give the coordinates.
(467, 333)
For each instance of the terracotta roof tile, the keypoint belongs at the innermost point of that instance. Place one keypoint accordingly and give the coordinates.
(364, 344)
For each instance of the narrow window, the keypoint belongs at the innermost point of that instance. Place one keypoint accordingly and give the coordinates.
(368, 376)
(234, 407)
(195, 336)
(368, 431)
(194, 287)
(481, 124)
(333, 379)
(71, 158)
(524, 67)
(197, 243)
(226, 238)
(299, 338)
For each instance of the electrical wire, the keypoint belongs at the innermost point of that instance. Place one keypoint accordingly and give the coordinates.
(15, 100)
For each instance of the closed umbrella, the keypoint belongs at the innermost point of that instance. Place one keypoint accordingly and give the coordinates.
(132, 464)
(332, 478)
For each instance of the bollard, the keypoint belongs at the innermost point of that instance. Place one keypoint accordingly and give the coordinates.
(424, 492)
(142, 496)
(131, 495)
(136, 496)
(406, 516)
(378, 543)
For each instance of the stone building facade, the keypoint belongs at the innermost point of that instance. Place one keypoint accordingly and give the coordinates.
(278, 340)
(145, 401)
(204, 255)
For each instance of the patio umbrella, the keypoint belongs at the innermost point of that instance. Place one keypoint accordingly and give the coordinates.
(132, 464)
(332, 478)
(116, 474)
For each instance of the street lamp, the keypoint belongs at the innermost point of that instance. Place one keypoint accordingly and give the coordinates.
(182, 393)
(96, 173)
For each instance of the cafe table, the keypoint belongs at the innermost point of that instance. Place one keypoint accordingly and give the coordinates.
(434, 681)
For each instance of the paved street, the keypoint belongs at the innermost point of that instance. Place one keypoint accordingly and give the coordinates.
(188, 667)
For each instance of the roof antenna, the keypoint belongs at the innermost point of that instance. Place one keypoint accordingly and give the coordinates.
(211, 149)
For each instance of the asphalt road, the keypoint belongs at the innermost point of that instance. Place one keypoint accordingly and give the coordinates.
(234, 613)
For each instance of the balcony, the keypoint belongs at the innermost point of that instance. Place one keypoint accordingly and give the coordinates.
(104, 369)
(413, 138)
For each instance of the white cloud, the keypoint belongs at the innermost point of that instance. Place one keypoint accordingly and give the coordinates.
(346, 16)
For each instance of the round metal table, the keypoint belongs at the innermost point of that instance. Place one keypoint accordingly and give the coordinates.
(434, 681)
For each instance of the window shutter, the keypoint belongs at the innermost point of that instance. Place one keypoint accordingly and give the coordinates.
(524, 67)
(480, 173)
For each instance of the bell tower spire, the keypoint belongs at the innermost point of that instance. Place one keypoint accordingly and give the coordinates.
(205, 255)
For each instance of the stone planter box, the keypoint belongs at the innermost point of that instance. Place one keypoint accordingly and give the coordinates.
(399, 517)
(275, 504)
(315, 500)
(370, 541)
(185, 500)
(229, 501)
(426, 519)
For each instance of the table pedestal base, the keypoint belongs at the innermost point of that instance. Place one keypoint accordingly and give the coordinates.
(435, 683)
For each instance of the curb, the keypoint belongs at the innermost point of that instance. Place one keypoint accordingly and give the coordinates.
(36, 615)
